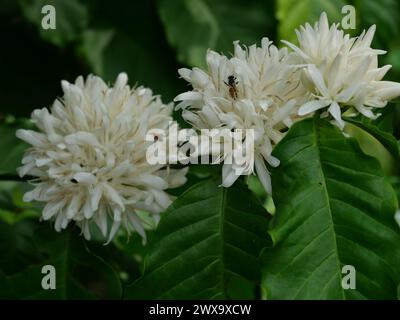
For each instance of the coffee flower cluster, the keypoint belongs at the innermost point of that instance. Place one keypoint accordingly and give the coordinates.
(266, 89)
(258, 89)
(341, 73)
(88, 159)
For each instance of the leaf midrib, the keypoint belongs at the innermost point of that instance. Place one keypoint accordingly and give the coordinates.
(221, 230)
(322, 175)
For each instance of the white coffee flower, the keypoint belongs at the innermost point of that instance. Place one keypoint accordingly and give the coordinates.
(342, 72)
(258, 88)
(89, 158)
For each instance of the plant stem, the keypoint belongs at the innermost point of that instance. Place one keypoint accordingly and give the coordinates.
(13, 177)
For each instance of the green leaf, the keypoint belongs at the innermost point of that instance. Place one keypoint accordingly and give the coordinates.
(12, 207)
(122, 255)
(377, 143)
(14, 147)
(293, 13)
(193, 26)
(80, 274)
(71, 18)
(393, 58)
(93, 44)
(385, 14)
(334, 207)
(389, 118)
(16, 246)
(206, 246)
(398, 292)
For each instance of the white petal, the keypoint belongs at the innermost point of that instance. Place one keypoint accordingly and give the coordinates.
(122, 80)
(117, 214)
(189, 95)
(334, 110)
(318, 80)
(185, 73)
(101, 220)
(82, 138)
(274, 162)
(137, 224)
(283, 112)
(199, 78)
(113, 195)
(229, 175)
(152, 181)
(85, 178)
(86, 230)
(87, 209)
(369, 36)
(113, 231)
(162, 198)
(34, 138)
(334, 72)
(348, 93)
(52, 208)
(263, 174)
(312, 106)
(366, 112)
(58, 222)
(296, 49)
(29, 196)
(95, 197)
(389, 90)
(22, 171)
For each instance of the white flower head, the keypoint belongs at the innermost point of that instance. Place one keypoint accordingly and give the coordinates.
(258, 88)
(88, 160)
(341, 72)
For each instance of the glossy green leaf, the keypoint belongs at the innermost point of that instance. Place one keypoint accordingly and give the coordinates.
(393, 58)
(206, 246)
(334, 208)
(193, 26)
(94, 43)
(385, 138)
(377, 143)
(71, 18)
(293, 13)
(80, 274)
(12, 207)
(389, 116)
(16, 246)
(385, 14)
(124, 255)
(14, 147)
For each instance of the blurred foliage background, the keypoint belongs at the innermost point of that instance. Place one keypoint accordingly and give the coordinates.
(150, 40)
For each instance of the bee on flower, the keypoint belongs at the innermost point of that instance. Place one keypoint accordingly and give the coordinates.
(257, 89)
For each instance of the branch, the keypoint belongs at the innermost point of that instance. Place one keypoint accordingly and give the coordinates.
(14, 177)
